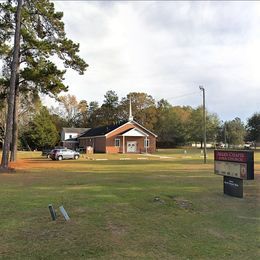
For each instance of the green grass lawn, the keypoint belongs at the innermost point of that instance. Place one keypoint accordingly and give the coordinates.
(168, 206)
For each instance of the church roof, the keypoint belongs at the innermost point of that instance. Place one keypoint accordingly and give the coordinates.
(102, 130)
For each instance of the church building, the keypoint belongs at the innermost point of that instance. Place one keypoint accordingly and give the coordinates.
(127, 137)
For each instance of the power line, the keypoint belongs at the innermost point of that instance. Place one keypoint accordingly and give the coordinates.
(184, 95)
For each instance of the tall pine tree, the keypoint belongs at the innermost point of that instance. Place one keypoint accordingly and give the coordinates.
(43, 39)
(14, 71)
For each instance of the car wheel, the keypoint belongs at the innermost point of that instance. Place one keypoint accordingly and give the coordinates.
(48, 156)
(76, 157)
(59, 158)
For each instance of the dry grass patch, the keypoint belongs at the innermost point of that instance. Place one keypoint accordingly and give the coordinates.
(114, 215)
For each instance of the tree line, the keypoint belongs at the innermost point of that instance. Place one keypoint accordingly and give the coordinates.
(40, 127)
(32, 36)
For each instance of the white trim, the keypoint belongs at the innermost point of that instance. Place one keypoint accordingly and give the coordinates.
(132, 122)
(119, 141)
(137, 130)
(145, 129)
(116, 129)
(146, 143)
(123, 144)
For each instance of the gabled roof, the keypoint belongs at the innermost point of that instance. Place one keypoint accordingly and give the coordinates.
(101, 131)
(74, 130)
(105, 130)
(144, 128)
(134, 132)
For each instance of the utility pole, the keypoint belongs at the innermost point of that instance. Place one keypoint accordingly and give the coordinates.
(225, 136)
(204, 125)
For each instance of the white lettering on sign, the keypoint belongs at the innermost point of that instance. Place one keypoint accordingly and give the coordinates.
(231, 183)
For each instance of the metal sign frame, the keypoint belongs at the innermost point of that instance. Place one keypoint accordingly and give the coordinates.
(235, 166)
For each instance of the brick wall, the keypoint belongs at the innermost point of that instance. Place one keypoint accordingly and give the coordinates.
(140, 140)
(100, 145)
(97, 143)
(107, 145)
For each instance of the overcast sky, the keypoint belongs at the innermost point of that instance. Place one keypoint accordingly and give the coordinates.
(167, 49)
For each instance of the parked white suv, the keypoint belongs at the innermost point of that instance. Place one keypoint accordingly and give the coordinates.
(60, 154)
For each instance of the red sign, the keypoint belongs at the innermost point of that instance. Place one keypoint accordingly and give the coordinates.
(231, 156)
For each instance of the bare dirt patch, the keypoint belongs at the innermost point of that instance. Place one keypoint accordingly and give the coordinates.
(182, 203)
(117, 231)
(38, 164)
(20, 164)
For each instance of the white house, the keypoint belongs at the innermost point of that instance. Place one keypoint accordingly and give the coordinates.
(69, 136)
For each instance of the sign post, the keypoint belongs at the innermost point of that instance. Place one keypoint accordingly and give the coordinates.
(235, 166)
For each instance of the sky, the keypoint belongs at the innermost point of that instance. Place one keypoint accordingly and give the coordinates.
(168, 49)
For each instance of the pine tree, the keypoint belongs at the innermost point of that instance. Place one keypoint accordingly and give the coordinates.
(42, 132)
(43, 39)
(11, 97)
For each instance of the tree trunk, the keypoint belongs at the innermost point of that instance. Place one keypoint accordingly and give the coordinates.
(14, 67)
(15, 123)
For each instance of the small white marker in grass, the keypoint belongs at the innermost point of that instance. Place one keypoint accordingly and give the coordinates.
(64, 213)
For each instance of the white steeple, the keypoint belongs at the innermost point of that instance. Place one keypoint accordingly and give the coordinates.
(131, 118)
